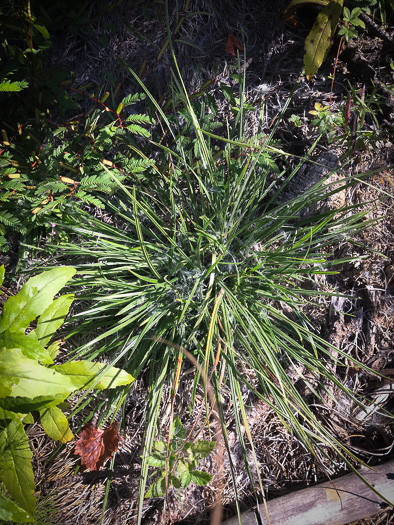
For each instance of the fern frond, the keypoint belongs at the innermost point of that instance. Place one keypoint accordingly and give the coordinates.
(132, 99)
(90, 198)
(8, 219)
(140, 119)
(9, 86)
(137, 165)
(138, 130)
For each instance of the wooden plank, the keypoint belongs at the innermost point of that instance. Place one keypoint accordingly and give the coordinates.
(338, 502)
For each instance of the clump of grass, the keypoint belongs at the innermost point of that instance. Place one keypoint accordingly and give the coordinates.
(205, 257)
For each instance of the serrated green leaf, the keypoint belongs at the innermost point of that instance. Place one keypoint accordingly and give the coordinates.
(26, 378)
(15, 468)
(7, 85)
(185, 479)
(178, 430)
(28, 344)
(8, 415)
(55, 424)
(2, 271)
(320, 38)
(83, 374)
(200, 478)
(53, 318)
(203, 448)
(157, 490)
(9, 511)
(34, 298)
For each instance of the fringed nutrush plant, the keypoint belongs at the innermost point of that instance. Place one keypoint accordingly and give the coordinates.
(206, 255)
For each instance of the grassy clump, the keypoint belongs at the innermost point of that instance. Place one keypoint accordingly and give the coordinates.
(205, 255)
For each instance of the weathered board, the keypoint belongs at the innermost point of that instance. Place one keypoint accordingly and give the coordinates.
(338, 502)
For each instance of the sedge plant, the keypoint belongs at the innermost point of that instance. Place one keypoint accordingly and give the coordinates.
(206, 254)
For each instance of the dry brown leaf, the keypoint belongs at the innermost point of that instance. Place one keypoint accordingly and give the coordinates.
(95, 445)
(232, 44)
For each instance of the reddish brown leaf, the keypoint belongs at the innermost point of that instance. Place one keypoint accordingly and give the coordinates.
(95, 445)
(232, 44)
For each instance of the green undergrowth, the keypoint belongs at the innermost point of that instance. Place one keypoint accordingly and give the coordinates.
(30, 383)
(56, 134)
(197, 248)
(205, 254)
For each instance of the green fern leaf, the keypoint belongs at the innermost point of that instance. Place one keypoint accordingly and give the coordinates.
(8, 86)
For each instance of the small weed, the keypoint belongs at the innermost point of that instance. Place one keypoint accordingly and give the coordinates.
(177, 461)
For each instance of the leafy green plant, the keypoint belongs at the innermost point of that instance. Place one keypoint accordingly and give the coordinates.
(50, 160)
(177, 461)
(207, 255)
(30, 381)
(351, 20)
(321, 36)
(326, 121)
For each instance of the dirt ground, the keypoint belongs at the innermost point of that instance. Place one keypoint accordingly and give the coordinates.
(361, 325)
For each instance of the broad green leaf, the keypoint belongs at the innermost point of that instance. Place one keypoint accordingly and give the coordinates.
(293, 6)
(321, 36)
(28, 419)
(185, 479)
(174, 481)
(157, 490)
(34, 298)
(181, 467)
(15, 467)
(43, 30)
(2, 270)
(53, 318)
(30, 379)
(160, 446)
(29, 345)
(156, 461)
(83, 375)
(203, 448)
(53, 349)
(7, 415)
(9, 511)
(25, 405)
(200, 478)
(55, 424)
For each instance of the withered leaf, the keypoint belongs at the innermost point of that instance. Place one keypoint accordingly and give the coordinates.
(232, 44)
(95, 445)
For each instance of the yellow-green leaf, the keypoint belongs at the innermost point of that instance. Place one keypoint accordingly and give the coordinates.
(293, 6)
(23, 377)
(53, 349)
(28, 344)
(15, 469)
(55, 424)
(52, 318)
(9, 511)
(34, 298)
(84, 375)
(320, 38)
